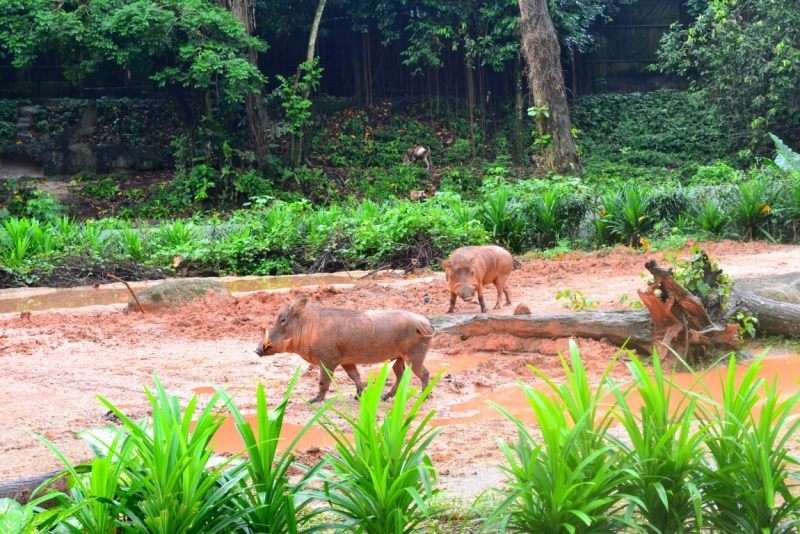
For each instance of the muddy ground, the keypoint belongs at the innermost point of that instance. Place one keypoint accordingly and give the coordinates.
(54, 363)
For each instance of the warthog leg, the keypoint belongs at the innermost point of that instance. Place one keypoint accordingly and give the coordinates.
(324, 382)
(398, 367)
(352, 372)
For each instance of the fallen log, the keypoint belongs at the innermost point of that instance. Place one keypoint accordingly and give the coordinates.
(774, 317)
(21, 489)
(619, 326)
(674, 319)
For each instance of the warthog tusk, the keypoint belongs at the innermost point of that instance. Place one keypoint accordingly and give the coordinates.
(266, 338)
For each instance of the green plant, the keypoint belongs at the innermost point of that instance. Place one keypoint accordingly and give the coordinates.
(170, 486)
(703, 278)
(747, 324)
(575, 300)
(548, 210)
(571, 482)
(501, 217)
(709, 216)
(29, 519)
(630, 218)
(635, 304)
(177, 234)
(753, 207)
(270, 502)
(748, 484)
(97, 495)
(664, 448)
(20, 241)
(381, 481)
(786, 159)
(132, 243)
(103, 190)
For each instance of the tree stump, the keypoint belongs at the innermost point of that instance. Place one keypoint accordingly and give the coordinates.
(680, 320)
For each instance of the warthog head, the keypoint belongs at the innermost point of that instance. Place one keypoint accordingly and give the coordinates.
(461, 279)
(286, 328)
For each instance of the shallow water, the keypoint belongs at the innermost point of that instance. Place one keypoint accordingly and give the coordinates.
(36, 299)
(783, 369)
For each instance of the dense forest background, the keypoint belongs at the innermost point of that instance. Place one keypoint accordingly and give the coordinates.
(682, 113)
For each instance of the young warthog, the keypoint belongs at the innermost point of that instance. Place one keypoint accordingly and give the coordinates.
(471, 268)
(330, 337)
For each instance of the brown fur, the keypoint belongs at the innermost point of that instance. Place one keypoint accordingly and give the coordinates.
(472, 268)
(330, 337)
(419, 152)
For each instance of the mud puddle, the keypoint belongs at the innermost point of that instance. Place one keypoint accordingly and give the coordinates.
(784, 369)
(36, 299)
(228, 440)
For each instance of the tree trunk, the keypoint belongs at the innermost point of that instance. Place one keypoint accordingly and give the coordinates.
(616, 326)
(546, 80)
(256, 113)
(297, 144)
(471, 102)
(355, 59)
(312, 41)
(519, 139)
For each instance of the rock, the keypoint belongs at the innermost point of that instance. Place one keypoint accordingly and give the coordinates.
(172, 294)
(522, 309)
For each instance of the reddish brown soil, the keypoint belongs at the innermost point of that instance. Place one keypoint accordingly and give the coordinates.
(54, 363)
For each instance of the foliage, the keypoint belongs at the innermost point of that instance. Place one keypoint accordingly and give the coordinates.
(571, 481)
(747, 55)
(753, 208)
(202, 45)
(382, 481)
(272, 504)
(787, 159)
(501, 217)
(575, 300)
(747, 434)
(666, 450)
(661, 135)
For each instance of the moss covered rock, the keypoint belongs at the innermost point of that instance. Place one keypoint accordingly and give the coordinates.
(172, 294)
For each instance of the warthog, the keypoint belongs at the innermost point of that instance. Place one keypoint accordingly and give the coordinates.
(471, 268)
(330, 337)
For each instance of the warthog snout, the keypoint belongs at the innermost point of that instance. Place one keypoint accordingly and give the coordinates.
(466, 292)
(264, 345)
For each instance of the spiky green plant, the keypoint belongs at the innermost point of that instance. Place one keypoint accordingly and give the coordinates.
(381, 482)
(571, 481)
(664, 448)
(177, 234)
(548, 213)
(753, 206)
(502, 218)
(748, 487)
(631, 216)
(95, 487)
(171, 489)
(709, 216)
(273, 504)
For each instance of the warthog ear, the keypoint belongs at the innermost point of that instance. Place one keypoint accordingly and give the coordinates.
(445, 264)
(299, 305)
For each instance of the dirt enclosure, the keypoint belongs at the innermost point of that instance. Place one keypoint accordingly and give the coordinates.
(54, 363)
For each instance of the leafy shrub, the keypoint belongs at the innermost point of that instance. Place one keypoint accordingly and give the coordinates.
(571, 482)
(753, 208)
(382, 481)
(502, 219)
(709, 216)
